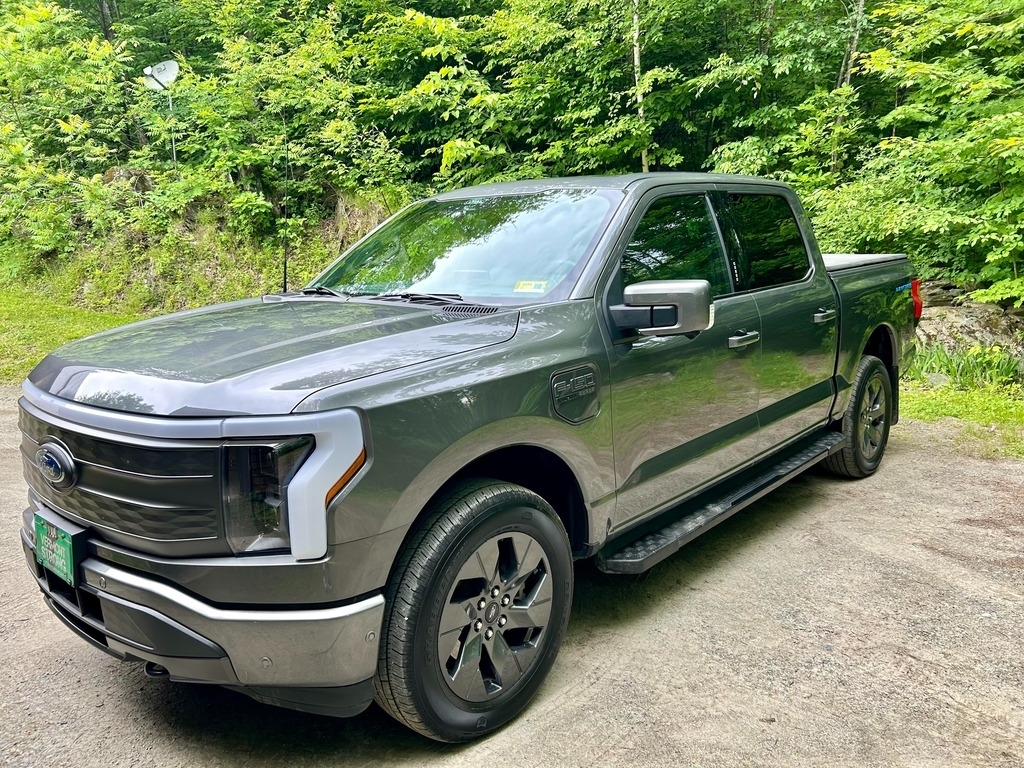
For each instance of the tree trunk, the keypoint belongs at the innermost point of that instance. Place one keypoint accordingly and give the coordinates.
(846, 68)
(108, 13)
(764, 42)
(644, 164)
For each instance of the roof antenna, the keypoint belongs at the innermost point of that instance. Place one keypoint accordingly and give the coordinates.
(284, 206)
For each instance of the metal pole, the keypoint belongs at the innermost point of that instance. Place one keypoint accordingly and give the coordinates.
(170, 114)
(287, 190)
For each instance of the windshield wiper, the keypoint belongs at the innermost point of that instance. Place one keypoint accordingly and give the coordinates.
(323, 290)
(438, 298)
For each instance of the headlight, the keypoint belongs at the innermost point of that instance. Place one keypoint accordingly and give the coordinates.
(256, 477)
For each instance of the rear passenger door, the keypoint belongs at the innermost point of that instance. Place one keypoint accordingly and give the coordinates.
(683, 407)
(768, 239)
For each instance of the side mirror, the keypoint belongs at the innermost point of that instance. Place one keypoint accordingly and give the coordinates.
(666, 307)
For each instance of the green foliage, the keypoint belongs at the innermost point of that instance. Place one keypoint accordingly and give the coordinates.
(976, 367)
(62, 116)
(933, 164)
(982, 386)
(901, 123)
(185, 269)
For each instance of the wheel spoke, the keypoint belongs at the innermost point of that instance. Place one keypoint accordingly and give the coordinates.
(534, 609)
(541, 590)
(536, 614)
(528, 556)
(482, 564)
(874, 389)
(865, 443)
(874, 436)
(465, 679)
(455, 617)
(507, 663)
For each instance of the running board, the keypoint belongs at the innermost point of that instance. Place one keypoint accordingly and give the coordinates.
(650, 549)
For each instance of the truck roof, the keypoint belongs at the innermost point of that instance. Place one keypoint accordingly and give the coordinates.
(639, 181)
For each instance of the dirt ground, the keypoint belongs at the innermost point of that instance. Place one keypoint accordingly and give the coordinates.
(867, 623)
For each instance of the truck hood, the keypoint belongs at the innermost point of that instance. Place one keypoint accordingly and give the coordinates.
(259, 356)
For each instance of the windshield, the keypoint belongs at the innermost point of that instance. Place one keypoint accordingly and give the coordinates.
(511, 249)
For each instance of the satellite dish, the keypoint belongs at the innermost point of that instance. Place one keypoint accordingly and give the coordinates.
(160, 76)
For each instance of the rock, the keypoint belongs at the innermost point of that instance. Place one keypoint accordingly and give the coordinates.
(936, 294)
(137, 180)
(966, 323)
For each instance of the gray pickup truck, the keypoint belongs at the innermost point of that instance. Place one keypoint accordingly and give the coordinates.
(375, 488)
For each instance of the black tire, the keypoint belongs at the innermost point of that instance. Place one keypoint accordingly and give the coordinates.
(445, 591)
(866, 421)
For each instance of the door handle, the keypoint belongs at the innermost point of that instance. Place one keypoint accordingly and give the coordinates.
(824, 315)
(743, 338)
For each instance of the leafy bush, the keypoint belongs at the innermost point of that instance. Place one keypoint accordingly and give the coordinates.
(982, 386)
(976, 367)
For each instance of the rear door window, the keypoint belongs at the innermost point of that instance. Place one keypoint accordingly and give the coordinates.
(772, 248)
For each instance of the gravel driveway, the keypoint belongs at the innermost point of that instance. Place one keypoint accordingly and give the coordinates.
(878, 622)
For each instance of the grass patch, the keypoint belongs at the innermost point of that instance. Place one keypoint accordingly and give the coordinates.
(980, 386)
(992, 414)
(31, 325)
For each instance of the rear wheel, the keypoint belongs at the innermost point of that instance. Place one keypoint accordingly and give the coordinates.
(475, 613)
(866, 422)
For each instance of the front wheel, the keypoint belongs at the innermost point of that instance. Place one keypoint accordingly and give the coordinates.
(476, 611)
(866, 422)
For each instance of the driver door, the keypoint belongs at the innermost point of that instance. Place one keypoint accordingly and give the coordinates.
(684, 409)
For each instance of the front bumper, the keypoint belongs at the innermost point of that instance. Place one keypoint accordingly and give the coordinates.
(319, 660)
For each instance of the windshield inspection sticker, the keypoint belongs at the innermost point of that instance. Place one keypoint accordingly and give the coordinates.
(531, 286)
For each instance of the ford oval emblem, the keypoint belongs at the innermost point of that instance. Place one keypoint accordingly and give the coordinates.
(56, 466)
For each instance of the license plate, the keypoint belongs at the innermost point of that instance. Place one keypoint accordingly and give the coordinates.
(55, 549)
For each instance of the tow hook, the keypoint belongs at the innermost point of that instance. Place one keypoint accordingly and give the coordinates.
(155, 670)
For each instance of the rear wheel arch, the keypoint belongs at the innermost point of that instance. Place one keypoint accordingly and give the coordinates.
(882, 344)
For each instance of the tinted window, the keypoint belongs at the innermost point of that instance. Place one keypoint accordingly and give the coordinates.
(773, 250)
(676, 240)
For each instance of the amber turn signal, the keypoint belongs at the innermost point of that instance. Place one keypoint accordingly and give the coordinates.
(345, 478)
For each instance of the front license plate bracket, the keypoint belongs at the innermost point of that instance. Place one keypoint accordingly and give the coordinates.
(60, 545)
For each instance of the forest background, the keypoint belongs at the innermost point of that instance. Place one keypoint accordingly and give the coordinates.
(297, 124)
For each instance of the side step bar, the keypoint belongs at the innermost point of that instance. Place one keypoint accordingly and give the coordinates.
(650, 549)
